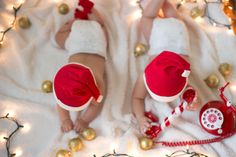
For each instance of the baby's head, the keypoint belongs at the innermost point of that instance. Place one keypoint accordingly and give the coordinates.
(166, 76)
(75, 87)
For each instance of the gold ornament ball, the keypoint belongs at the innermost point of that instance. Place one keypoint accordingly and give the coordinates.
(225, 69)
(75, 144)
(140, 49)
(47, 86)
(63, 153)
(212, 81)
(63, 8)
(88, 134)
(196, 12)
(24, 22)
(145, 143)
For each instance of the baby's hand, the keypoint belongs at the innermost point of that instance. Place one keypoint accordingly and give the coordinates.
(195, 105)
(144, 124)
(80, 125)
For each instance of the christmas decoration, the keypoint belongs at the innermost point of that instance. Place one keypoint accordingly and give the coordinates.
(47, 86)
(145, 143)
(212, 81)
(114, 154)
(186, 152)
(188, 97)
(84, 9)
(218, 117)
(206, 12)
(196, 12)
(225, 69)
(63, 153)
(63, 8)
(3, 33)
(8, 139)
(24, 22)
(75, 144)
(140, 49)
(88, 134)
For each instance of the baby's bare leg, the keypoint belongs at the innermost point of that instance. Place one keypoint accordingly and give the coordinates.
(66, 122)
(169, 10)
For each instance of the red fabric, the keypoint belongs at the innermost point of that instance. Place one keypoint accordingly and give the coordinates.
(74, 85)
(87, 7)
(163, 74)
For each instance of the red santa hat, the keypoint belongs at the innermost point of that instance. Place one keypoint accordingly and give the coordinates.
(75, 87)
(166, 76)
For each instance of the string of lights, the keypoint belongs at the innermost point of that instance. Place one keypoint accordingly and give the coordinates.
(113, 154)
(8, 139)
(186, 152)
(3, 32)
(210, 18)
(206, 13)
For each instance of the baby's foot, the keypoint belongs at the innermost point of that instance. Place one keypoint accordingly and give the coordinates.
(80, 125)
(66, 125)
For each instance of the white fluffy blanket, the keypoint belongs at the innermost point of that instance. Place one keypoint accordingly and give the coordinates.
(31, 56)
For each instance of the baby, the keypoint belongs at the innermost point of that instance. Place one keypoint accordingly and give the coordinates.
(80, 83)
(166, 76)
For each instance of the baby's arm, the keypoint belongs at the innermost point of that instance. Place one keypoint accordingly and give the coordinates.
(97, 17)
(138, 108)
(149, 14)
(63, 33)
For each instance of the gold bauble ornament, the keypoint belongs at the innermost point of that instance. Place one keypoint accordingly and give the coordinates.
(63, 8)
(140, 49)
(145, 143)
(47, 86)
(63, 153)
(196, 12)
(88, 134)
(75, 144)
(212, 81)
(225, 69)
(24, 22)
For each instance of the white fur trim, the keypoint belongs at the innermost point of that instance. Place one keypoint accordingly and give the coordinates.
(66, 107)
(163, 98)
(185, 73)
(99, 99)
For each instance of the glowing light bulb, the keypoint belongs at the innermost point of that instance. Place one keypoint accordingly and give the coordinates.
(133, 2)
(137, 14)
(20, 1)
(2, 135)
(182, 2)
(26, 128)
(187, 147)
(233, 87)
(214, 24)
(230, 32)
(198, 19)
(114, 146)
(56, 1)
(9, 7)
(18, 152)
(10, 112)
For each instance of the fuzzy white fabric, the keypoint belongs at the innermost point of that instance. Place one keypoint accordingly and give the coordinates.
(86, 37)
(30, 56)
(168, 34)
